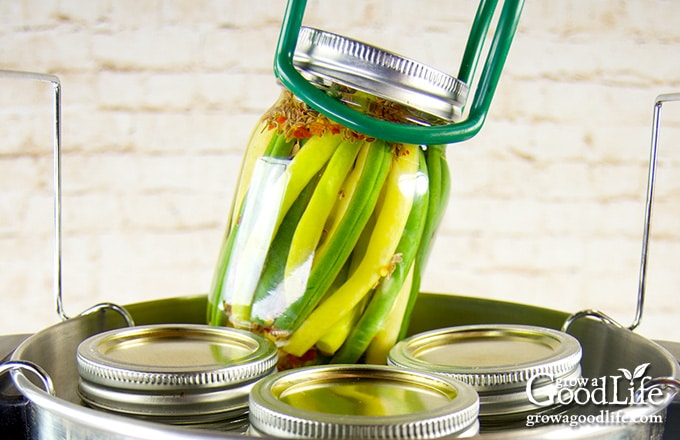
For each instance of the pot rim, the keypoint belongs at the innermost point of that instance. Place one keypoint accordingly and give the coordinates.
(115, 424)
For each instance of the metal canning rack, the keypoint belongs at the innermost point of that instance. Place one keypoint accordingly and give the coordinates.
(102, 307)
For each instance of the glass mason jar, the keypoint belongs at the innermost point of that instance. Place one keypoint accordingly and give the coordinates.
(517, 370)
(190, 375)
(362, 401)
(329, 228)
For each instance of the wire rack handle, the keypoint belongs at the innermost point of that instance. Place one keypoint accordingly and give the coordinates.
(56, 165)
(649, 204)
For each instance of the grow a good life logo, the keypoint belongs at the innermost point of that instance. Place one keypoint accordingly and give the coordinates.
(628, 388)
(631, 388)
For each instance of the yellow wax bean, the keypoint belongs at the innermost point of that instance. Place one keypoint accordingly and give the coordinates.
(308, 161)
(309, 229)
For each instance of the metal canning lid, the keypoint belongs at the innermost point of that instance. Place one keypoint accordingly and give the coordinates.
(175, 357)
(380, 73)
(497, 360)
(175, 408)
(173, 371)
(362, 401)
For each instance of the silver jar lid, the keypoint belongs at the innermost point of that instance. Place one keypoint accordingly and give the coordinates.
(497, 360)
(380, 73)
(362, 401)
(179, 373)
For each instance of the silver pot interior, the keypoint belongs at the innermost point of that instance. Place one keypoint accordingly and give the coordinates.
(606, 350)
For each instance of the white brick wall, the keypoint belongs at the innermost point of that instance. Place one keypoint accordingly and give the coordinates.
(159, 98)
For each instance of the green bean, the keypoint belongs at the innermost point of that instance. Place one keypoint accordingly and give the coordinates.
(310, 227)
(308, 161)
(440, 184)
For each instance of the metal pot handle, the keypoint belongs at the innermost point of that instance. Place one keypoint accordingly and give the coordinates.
(651, 177)
(33, 368)
(657, 382)
(56, 152)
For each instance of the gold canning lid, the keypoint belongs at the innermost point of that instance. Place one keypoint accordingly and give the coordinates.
(361, 401)
(179, 373)
(497, 360)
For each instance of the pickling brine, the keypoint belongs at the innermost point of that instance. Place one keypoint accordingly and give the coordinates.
(329, 231)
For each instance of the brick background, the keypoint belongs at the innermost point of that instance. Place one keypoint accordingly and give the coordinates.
(159, 98)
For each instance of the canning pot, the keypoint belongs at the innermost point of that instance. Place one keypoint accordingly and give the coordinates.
(607, 349)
